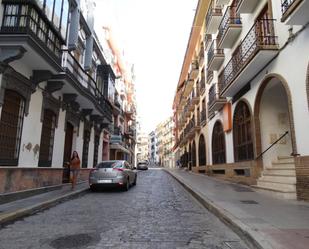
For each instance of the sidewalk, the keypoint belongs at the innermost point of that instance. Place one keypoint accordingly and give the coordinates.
(11, 211)
(261, 220)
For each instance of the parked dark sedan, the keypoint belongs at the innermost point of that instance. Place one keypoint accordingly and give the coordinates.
(113, 173)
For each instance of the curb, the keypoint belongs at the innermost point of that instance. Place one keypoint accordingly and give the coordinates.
(251, 237)
(11, 217)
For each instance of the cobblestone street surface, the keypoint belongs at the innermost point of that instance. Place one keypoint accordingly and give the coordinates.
(157, 213)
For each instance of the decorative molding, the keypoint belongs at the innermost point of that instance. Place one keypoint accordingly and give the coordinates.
(53, 86)
(11, 53)
(51, 103)
(39, 76)
(14, 81)
(73, 118)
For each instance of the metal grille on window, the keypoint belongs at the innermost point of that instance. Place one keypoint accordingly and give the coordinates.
(85, 148)
(10, 127)
(243, 145)
(47, 139)
(218, 144)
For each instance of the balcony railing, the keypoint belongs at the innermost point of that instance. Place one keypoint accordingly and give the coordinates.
(203, 117)
(213, 10)
(213, 51)
(27, 20)
(210, 76)
(208, 39)
(77, 72)
(230, 17)
(213, 95)
(202, 84)
(254, 41)
(286, 4)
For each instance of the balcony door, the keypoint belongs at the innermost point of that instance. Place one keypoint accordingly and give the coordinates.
(265, 28)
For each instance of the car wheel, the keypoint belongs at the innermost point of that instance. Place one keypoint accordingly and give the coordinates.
(93, 188)
(127, 186)
(134, 183)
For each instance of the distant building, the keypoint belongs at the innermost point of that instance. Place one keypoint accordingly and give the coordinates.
(153, 153)
(165, 143)
(142, 147)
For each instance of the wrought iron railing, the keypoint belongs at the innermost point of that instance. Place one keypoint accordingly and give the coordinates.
(212, 94)
(208, 39)
(212, 10)
(27, 20)
(255, 40)
(203, 116)
(285, 5)
(230, 17)
(213, 50)
(210, 76)
(78, 73)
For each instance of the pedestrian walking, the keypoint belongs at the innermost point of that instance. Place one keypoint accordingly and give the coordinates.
(74, 168)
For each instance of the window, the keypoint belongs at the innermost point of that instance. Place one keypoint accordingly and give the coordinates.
(64, 18)
(85, 148)
(57, 13)
(242, 134)
(202, 151)
(10, 127)
(47, 139)
(218, 144)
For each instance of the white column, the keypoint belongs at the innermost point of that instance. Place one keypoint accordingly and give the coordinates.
(91, 149)
(31, 133)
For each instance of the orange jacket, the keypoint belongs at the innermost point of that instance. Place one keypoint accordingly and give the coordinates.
(75, 163)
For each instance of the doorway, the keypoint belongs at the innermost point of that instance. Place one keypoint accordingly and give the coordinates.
(67, 151)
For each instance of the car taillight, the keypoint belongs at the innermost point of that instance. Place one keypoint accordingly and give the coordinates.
(118, 169)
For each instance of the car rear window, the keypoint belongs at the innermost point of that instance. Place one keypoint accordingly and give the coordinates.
(106, 165)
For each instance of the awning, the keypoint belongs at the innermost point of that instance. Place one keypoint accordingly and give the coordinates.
(119, 147)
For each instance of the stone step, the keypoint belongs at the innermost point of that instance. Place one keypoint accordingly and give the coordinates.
(284, 187)
(278, 179)
(279, 171)
(285, 159)
(282, 164)
(291, 195)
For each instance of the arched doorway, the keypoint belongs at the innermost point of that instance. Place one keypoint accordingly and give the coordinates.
(202, 151)
(242, 133)
(193, 156)
(273, 116)
(218, 144)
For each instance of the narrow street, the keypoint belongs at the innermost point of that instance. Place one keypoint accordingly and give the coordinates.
(157, 213)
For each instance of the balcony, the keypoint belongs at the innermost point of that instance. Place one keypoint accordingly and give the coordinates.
(215, 102)
(215, 57)
(229, 29)
(255, 51)
(194, 70)
(213, 18)
(210, 76)
(223, 2)
(202, 85)
(188, 88)
(201, 57)
(245, 6)
(208, 40)
(203, 117)
(30, 29)
(295, 12)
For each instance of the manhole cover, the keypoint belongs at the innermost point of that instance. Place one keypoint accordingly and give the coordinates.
(72, 241)
(248, 202)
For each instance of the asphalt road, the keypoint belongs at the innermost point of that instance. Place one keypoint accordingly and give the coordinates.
(156, 213)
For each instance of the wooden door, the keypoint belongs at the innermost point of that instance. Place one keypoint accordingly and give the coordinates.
(67, 151)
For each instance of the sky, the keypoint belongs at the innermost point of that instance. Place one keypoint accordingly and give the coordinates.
(154, 36)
